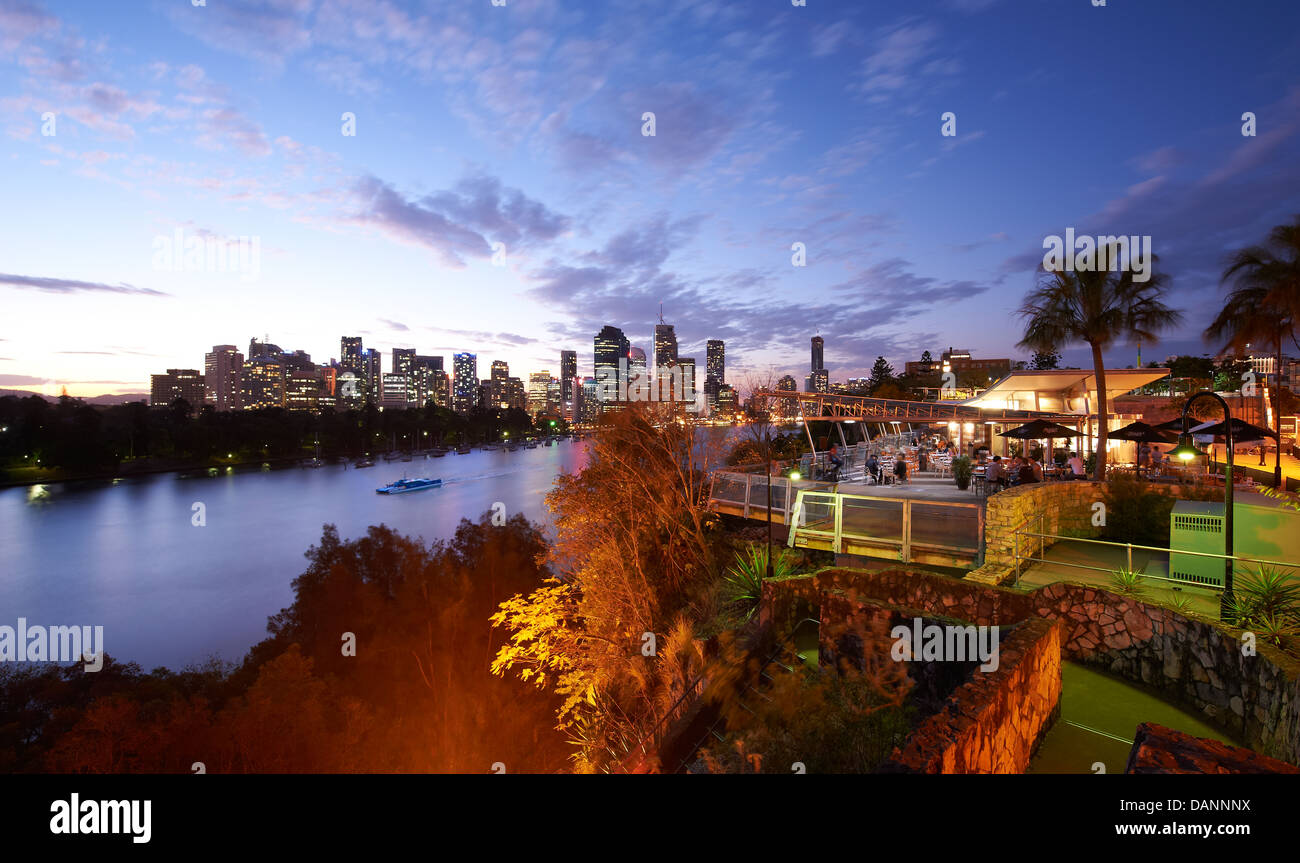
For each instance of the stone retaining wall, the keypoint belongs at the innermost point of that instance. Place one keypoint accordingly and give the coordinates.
(993, 723)
(1187, 659)
(1066, 508)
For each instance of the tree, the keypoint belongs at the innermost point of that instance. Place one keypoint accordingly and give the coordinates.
(637, 558)
(1095, 307)
(1263, 307)
(881, 373)
(926, 358)
(1044, 360)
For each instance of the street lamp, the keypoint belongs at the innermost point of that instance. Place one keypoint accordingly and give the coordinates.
(1186, 450)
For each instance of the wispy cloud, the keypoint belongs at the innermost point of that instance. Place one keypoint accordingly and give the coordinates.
(71, 286)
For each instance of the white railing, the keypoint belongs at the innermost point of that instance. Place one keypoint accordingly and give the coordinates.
(851, 523)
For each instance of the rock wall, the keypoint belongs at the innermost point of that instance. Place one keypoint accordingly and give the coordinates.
(1157, 749)
(1066, 508)
(993, 723)
(1189, 660)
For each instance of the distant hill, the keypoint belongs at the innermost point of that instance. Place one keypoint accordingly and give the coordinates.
(111, 399)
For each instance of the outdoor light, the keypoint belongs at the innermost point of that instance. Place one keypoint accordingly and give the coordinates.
(1186, 449)
(794, 474)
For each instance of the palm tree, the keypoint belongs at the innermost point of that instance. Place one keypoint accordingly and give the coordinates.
(1098, 308)
(1263, 306)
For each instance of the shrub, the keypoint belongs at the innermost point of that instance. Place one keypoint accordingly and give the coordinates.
(1127, 582)
(743, 585)
(1136, 512)
(961, 472)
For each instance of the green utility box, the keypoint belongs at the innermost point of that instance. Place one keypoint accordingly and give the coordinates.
(1196, 526)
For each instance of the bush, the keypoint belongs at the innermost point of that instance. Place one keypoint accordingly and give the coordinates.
(961, 472)
(1136, 512)
(743, 585)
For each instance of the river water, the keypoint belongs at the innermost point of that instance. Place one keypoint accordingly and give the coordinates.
(125, 555)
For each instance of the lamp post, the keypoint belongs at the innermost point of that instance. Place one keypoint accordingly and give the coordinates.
(1186, 450)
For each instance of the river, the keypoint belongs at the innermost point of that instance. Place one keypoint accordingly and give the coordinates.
(125, 555)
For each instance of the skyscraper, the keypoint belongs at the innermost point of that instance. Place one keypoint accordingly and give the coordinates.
(403, 361)
(262, 384)
(464, 385)
(817, 347)
(715, 370)
(568, 384)
(350, 354)
(715, 361)
(222, 368)
(665, 345)
(372, 373)
(537, 384)
(610, 353)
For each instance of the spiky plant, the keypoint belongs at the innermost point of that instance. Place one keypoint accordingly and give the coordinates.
(1127, 582)
(743, 585)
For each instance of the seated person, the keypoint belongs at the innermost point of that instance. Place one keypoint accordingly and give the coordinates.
(1077, 469)
(873, 467)
(900, 470)
(1038, 469)
(993, 474)
(1025, 473)
(833, 458)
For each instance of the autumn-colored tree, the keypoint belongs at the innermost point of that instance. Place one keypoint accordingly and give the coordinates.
(636, 559)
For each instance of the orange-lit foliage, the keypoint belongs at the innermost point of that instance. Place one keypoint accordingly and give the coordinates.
(417, 696)
(636, 553)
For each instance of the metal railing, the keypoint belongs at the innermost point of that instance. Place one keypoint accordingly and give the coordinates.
(746, 493)
(1129, 548)
(856, 523)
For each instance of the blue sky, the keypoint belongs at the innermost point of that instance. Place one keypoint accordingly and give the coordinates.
(522, 125)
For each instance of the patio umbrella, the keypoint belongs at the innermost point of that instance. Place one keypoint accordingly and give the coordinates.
(1039, 429)
(1140, 432)
(1241, 430)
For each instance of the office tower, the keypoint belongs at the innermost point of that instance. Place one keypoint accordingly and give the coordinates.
(609, 362)
(185, 384)
(818, 346)
(329, 376)
(818, 381)
(728, 401)
(537, 384)
(222, 368)
(350, 391)
(785, 407)
(393, 393)
(636, 365)
(665, 345)
(372, 373)
(569, 384)
(350, 354)
(554, 402)
(403, 361)
(496, 389)
(262, 385)
(715, 362)
(434, 363)
(464, 393)
(302, 388)
(500, 370)
(686, 367)
(589, 402)
(441, 389)
(263, 350)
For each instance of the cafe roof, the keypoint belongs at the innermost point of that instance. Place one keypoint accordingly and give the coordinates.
(1064, 384)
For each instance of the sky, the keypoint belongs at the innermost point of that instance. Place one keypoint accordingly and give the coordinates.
(463, 176)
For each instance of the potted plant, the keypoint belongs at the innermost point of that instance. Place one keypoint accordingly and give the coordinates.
(961, 472)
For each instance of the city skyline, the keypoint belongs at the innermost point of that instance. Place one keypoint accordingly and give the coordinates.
(524, 204)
